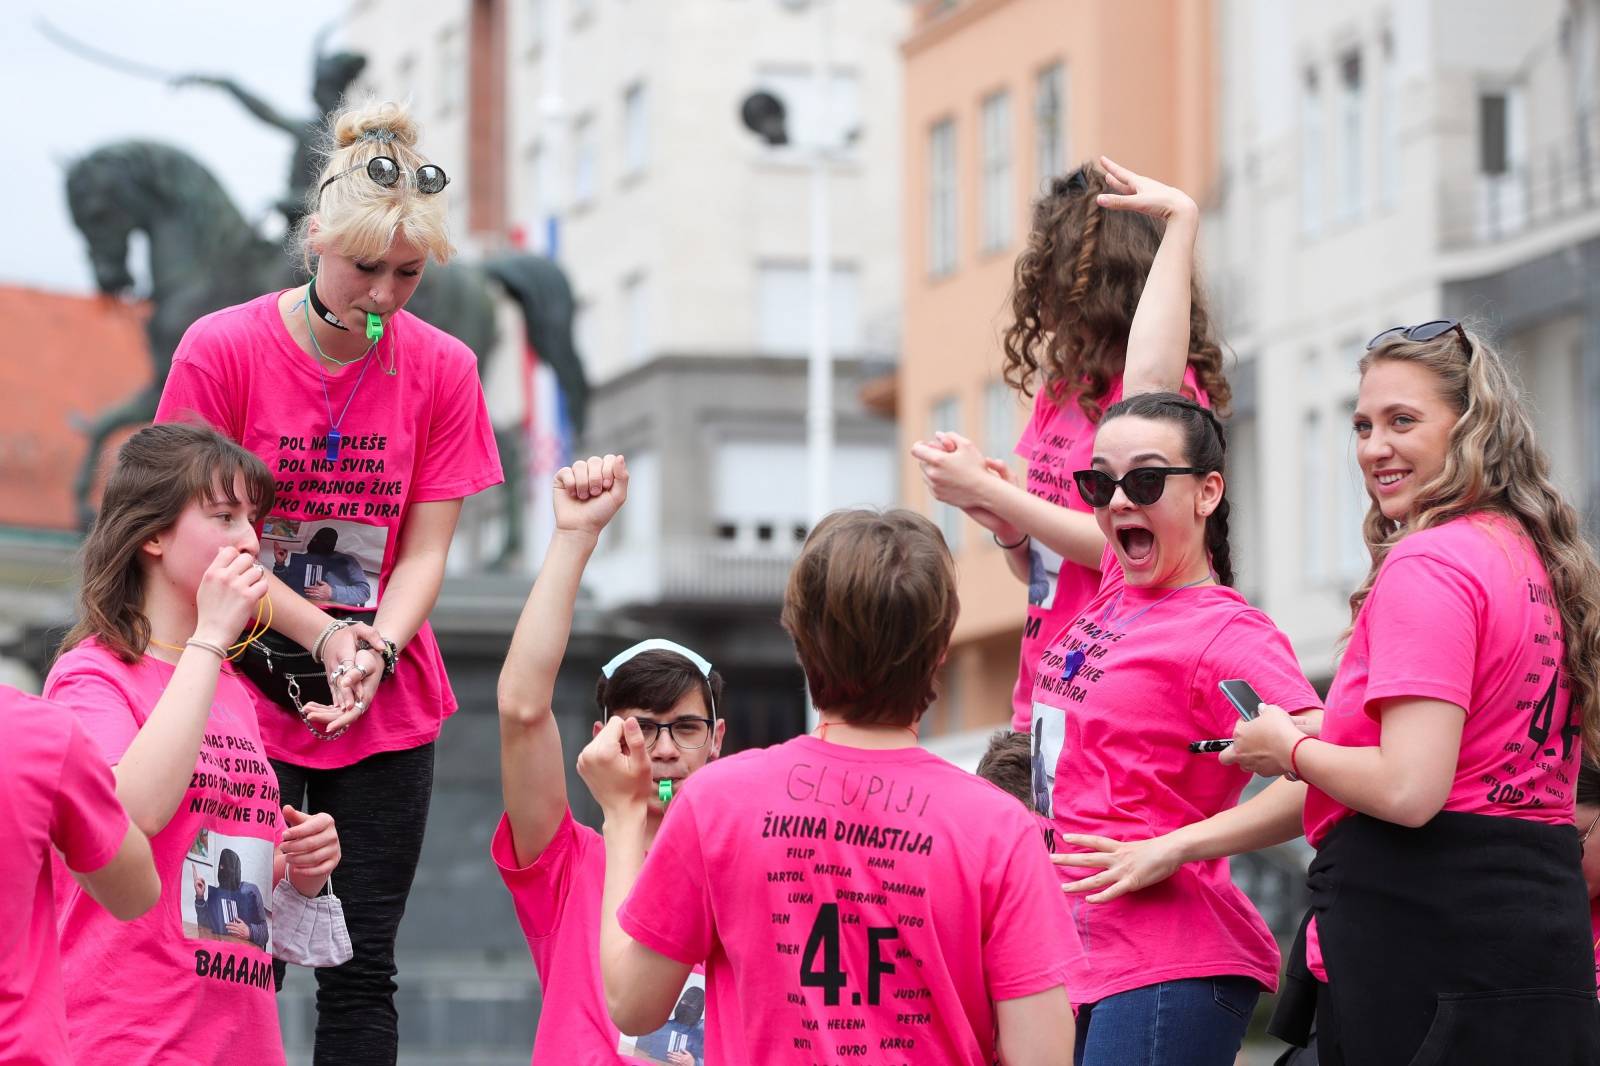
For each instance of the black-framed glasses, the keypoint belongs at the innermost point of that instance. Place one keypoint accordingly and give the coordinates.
(687, 733)
(383, 170)
(1425, 331)
(1143, 484)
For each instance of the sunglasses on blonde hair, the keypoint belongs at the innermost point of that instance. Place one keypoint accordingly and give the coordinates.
(1425, 331)
(383, 170)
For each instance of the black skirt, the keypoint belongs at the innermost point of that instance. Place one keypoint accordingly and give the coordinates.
(1463, 942)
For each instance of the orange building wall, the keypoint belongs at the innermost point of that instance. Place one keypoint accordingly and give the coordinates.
(1140, 87)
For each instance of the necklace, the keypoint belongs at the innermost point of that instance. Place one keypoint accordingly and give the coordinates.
(321, 308)
(257, 628)
(1074, 660)
(316, 344)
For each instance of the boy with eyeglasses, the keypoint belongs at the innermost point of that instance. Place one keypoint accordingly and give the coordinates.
(553, 866)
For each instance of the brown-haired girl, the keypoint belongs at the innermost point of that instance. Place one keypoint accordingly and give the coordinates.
(170, 579)
(1099, 237)
(1450, 919)
(374, 425)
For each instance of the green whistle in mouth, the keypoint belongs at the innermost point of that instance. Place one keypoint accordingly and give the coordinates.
(664, 790)
(374, 327)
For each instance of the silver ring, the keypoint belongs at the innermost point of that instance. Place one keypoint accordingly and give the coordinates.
(340, 670)
(261, 568)
(363, 669)
(361, 705)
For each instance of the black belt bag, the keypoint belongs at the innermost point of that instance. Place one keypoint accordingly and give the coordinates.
(288, 674)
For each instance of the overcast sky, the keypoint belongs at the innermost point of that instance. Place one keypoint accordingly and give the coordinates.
(58, 106)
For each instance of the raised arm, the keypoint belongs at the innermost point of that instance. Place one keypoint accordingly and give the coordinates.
(532, 771)
(1158, 337)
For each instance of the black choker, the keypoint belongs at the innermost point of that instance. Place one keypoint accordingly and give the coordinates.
(322, 309)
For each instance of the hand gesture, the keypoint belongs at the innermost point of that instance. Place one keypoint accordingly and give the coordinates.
(310, 848)
(679, 1058)
(1128, 865)
(319, 592)
(1263, 744)
(199, 886)
(1135, 192)
(953, 468)
(229, 590)
(616, 768)
(589, 493)
(363, 668)
(238, 929)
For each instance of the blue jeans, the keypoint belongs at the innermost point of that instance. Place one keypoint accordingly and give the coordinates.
(1194, 1022)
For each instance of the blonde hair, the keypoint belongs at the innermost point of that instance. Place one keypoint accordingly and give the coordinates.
(357, 216)
(1495, 464)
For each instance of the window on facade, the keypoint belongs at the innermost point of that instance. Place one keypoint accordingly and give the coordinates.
(995, 225)
(946, 415)
(1310, 154)
(452, 71)
(636, 318)
(1494, 148)
(942, 201)
(1389, 125)
(1314, 499)
(535, 13)
(1050, 123)
(783, 311)
(1352, 144)
(797, 88)
(999, 420)
(635, 129)
(585, 160)
(1353, 503)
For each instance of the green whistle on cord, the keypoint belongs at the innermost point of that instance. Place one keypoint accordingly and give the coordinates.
(374, 327)
(664, 790)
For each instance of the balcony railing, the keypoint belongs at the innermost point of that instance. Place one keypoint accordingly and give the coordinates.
(1550, 186)
(691, 570)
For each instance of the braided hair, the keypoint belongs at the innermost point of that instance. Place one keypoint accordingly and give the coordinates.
(1205, 446)
(1074, 291)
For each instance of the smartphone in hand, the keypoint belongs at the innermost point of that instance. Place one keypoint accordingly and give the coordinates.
(1242, 696)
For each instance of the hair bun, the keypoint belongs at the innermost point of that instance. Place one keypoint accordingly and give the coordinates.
(382, 122)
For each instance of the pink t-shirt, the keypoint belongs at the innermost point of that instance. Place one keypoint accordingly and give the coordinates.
(1058, 440)
(419, 436)
(1111, 758)
(191, 981)
(857, 905)
(1463, 613)
(56, 794)
(557, 899)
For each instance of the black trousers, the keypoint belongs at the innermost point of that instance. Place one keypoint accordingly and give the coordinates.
(380, 807)
(1464, 942)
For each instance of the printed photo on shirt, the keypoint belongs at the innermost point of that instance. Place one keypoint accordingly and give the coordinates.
(682, 1041)
(1049, 734)
(327, 561)
(1044, 572)
(226, 889)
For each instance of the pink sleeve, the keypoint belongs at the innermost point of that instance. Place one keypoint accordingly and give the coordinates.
(1023, 951)
(540, 889)
(1422, 632)
(1030, 432)
(87, 822)
(102, 709)
(193, 391)
(459, 457)
(1251, 648)
(669, 909)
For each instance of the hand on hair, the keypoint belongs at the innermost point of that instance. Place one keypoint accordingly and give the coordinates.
(1263, 744)
(229, 591)
(1135, 192)
(589, 493)
(1127, 865)
(616, 768)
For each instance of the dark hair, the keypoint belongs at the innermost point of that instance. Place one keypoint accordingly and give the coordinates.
(1588, 790)
(655, 681)
(1205, 445)
(871, 603)
(691, 1006)
(323, 541)
(229, 870)
(160, 471)
(1008, 763)
(1074, 290)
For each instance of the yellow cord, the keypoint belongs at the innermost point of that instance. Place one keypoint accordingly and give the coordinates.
(257, 628)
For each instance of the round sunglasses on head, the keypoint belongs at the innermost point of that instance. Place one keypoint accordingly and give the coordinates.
(1142, 485)
(1425, 331)
(383, 170)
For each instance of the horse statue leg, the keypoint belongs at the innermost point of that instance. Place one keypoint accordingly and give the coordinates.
(509, 440)
(134, 412)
